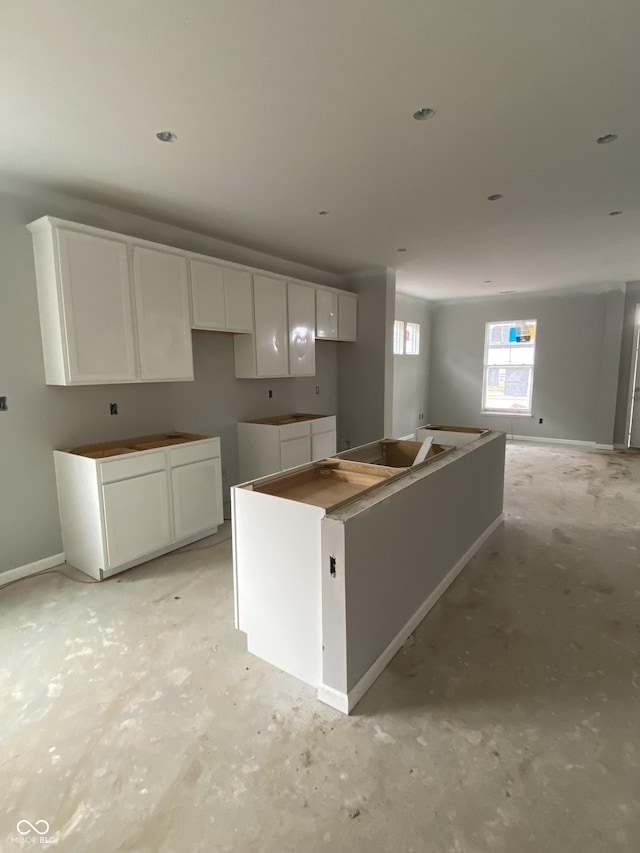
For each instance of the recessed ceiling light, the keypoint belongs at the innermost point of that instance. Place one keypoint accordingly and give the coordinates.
(488, 280)
(401, 250)
(502, 292)
(424, 114)
(494, 197)
(616, 213)
(166, 136)
(608, 137)
(323, 213)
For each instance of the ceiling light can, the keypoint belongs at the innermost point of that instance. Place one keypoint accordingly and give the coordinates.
(608, 137)
(494, 197)
(424, 113)
(166, 136)
(616, 213)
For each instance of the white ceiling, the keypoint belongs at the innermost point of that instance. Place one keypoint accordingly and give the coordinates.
(283, 108)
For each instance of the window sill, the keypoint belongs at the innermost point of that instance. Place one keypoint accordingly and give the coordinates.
(507, 414)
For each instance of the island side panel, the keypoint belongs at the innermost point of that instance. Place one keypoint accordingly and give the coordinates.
(277, 580)
(398, 551)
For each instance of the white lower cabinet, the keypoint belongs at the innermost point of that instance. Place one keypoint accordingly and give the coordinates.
(268, 445)
(122, 503)
(136, 517)
(197, 496)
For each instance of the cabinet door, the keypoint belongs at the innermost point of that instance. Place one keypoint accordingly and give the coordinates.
(302, 323)
(323, 445)
(237, 297)
(270, 303)
(326, 314)
(162, 311)
(207, 295)
(136, 517)
(347, 317)
(96, 303)
(197, 497)
(297, 451)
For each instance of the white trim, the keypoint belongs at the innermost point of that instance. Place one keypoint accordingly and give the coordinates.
(31, 568)
(345, 702)
(573, 441)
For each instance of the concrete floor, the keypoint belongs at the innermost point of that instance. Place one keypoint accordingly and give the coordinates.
(133, 719)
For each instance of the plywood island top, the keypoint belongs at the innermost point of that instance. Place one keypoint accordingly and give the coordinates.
(134, 445)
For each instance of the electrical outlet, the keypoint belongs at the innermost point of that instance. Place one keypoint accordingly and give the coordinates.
(270, 393)
(113, 408)
(540, 420)
(317, 389)
(3, 404)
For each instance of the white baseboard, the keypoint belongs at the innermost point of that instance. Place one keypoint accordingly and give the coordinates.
(31, 568)
(572, 441)
(345, 702)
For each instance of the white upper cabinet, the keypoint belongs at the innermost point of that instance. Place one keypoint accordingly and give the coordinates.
(221, 297)
(327, 314)
(162, 310)
(347, 317)
(265, 353)
(85, 306)
(302, 322)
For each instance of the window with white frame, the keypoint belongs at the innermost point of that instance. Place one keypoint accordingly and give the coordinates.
(509, 360)
(398, 337)
(406, 338)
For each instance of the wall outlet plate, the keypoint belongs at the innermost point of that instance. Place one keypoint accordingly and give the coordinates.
(113, 408)
(3, 404)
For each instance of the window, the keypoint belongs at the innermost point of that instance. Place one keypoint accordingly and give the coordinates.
(398, 337)
(509, 357)
(406, 338)
(412, 339)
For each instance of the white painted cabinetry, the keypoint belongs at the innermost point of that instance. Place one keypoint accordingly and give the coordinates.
(302, 317)
(266, 352)
(221, 297)
(122, 503)
(162, 312)
(85, 306)
(327, 314)
(268, 445)
(336, 315)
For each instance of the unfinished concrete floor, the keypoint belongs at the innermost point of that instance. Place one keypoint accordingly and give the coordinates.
(132, 718)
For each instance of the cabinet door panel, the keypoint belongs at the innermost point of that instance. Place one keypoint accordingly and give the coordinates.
(326, 314)
(197, 497)
(270, 302)
(207, 295)
(96, 296)
(302, 323)
(237, 294)
(322, 445)
(162, 311)
(347, 317)
(136, 516)
(295, 452)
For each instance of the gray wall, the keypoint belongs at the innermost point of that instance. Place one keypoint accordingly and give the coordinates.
(411, 372)
(365, 369)
(626, 352)
(576, 372)
(41, 418)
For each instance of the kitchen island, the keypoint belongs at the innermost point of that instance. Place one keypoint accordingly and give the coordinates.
(337, 562)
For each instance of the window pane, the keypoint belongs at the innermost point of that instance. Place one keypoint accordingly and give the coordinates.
(398, 337)
(509, 360)
(412, 339)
